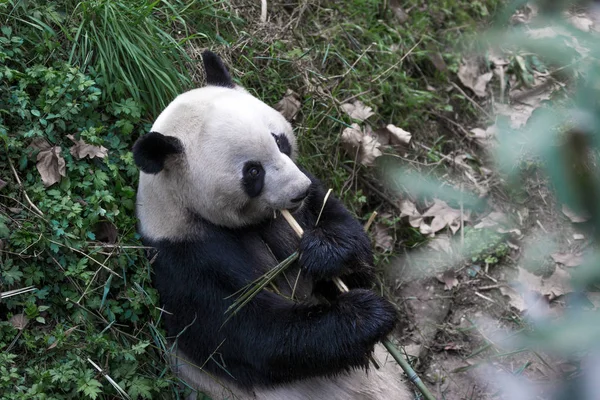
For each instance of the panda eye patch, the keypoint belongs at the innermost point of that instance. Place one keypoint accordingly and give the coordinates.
(283, 143)
(253, 178)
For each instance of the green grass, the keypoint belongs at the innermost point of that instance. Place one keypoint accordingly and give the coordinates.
(101, 70)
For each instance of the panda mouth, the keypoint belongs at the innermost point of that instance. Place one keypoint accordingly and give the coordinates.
(295, 207)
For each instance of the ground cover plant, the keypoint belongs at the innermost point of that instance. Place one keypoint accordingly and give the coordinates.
(373, 88)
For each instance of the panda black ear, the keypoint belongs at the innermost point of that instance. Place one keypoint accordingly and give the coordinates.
(216, 72)
(151, 151)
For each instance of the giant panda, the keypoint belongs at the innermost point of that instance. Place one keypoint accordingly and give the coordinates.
(216, 167)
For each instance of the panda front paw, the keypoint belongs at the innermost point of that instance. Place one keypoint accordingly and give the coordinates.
(370, 317)
(327, 253)
(320, 256)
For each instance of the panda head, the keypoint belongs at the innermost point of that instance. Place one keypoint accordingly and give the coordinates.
(218, 153)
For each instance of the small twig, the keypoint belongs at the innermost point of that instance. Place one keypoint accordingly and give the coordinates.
(16, 292)
(537, 221)
(87, 256)
(353, 64)
(110, 380)
(392, 349)
(485, 297)
(33, 206)
(370, 221)
(398, 63)
(263, 11)
(483, 110)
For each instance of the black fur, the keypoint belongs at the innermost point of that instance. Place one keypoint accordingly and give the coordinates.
(273, 340)
(216, 72)
(253, 184)
(283, 143)
(152, 149)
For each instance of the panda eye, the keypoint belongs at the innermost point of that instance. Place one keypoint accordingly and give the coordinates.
(252, 170)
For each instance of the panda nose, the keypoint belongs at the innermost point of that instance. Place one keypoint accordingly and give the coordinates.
(300, 198)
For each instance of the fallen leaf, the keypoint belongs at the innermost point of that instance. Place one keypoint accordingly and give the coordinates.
(106, 232)
(289, 105)
(383, 237)
(492, 219)
(524, 15)
(542, 33)
(441, 243)
(398, 135)
(484, 136)
(81, 149)
(581, 22)
(358, 110)
(568, 259)
(574, 217)
(355, 139)
(469, 75)
(443, 215)
(529, 289)
(51, 165)
(40, 144)
(438, 61)
(408, 209)
(19, 321)
(520, 111)
(448, 278)
(398, 11)
(67, 333)
(2, 184)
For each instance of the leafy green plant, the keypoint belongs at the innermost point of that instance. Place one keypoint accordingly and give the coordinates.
(92, 300)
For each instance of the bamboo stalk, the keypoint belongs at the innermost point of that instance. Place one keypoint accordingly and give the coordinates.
(387, 343)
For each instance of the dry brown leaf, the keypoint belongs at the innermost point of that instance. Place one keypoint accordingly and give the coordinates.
(355, 139)
(438, 61)
(524, 15)
(19, 321)
(67, 333)
(581, 22)
(358, 110)
(441, 243)
(520, 112)
(408, 209)
(398, 135)
(40, 144)
(492, 219)
(573, 216)
(51, 165)
(383, 237)
(568, 259)
(469, 75)
(523, 296)
(443, 215)
(289, 105)
(398, 11)
(484, 136)
(448, 278)
(81, 149)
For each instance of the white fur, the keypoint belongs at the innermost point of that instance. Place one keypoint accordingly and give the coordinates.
(382, 384)
(220, 129)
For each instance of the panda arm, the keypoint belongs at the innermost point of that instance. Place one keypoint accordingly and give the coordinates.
(282, 341)
(338, 244)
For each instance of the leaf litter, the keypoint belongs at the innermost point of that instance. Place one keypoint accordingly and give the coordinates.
(50, 163)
